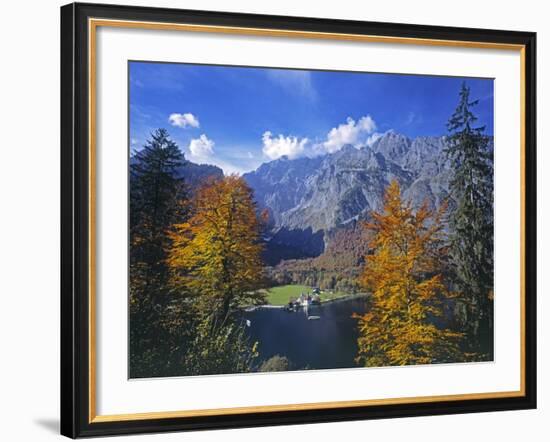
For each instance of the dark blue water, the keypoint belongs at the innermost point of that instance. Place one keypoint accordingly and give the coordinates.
(329, 342)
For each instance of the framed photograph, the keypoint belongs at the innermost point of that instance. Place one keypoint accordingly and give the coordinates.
(274, 220)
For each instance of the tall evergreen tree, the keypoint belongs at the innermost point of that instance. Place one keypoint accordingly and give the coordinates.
(471, 222)
(157, 200)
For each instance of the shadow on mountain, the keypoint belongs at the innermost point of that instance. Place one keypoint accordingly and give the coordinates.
(293, 244)
(196, 175)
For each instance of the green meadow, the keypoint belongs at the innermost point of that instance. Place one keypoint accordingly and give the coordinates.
(280, 295)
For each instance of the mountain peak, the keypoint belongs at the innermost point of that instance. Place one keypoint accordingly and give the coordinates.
(393, 135)
(308, 198)
(348, 148)
(392, 145)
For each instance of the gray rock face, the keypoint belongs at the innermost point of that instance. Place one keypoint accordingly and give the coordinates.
(392, 146)
(326, 192)
(280, 185)
(308, 196)
(347, 185)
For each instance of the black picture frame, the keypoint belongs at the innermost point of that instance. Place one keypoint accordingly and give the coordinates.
(75, 221)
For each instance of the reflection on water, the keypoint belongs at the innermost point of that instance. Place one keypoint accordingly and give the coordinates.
(327, 342)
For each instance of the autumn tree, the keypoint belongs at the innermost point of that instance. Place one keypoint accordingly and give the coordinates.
(216, 256)
(404, 274)
(157, 199)
(471, 222)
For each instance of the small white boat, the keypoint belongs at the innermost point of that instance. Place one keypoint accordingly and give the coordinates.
(313, 318)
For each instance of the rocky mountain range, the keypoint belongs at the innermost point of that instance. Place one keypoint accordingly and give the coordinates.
(309, 198)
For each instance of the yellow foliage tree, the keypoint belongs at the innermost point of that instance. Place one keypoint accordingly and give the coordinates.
(216, 254)
(405, 276)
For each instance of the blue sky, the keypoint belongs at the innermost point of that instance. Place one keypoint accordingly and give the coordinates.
(240, 117)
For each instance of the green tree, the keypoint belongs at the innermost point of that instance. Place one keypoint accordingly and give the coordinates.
(275, 363)
(213, 348)
(157, 199)
(471, 221)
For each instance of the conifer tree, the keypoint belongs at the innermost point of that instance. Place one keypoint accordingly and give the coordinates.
(157, 199)
(471, 222)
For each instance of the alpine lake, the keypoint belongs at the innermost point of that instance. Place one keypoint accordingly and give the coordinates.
(314, 337)
(322, 336)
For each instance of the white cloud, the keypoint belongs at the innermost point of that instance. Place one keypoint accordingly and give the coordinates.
(372, 139)
(294, 81)
(231, 160)
(183, 120)
(276, 147)
(201, 147)
(357, 133)
(350, 132)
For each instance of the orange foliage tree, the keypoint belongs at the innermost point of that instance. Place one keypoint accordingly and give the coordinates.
(405, 276)
(216, 254)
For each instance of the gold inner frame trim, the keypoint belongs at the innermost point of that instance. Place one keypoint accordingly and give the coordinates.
(93, 24)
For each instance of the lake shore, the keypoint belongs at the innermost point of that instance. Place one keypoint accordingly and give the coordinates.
(328, 301)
